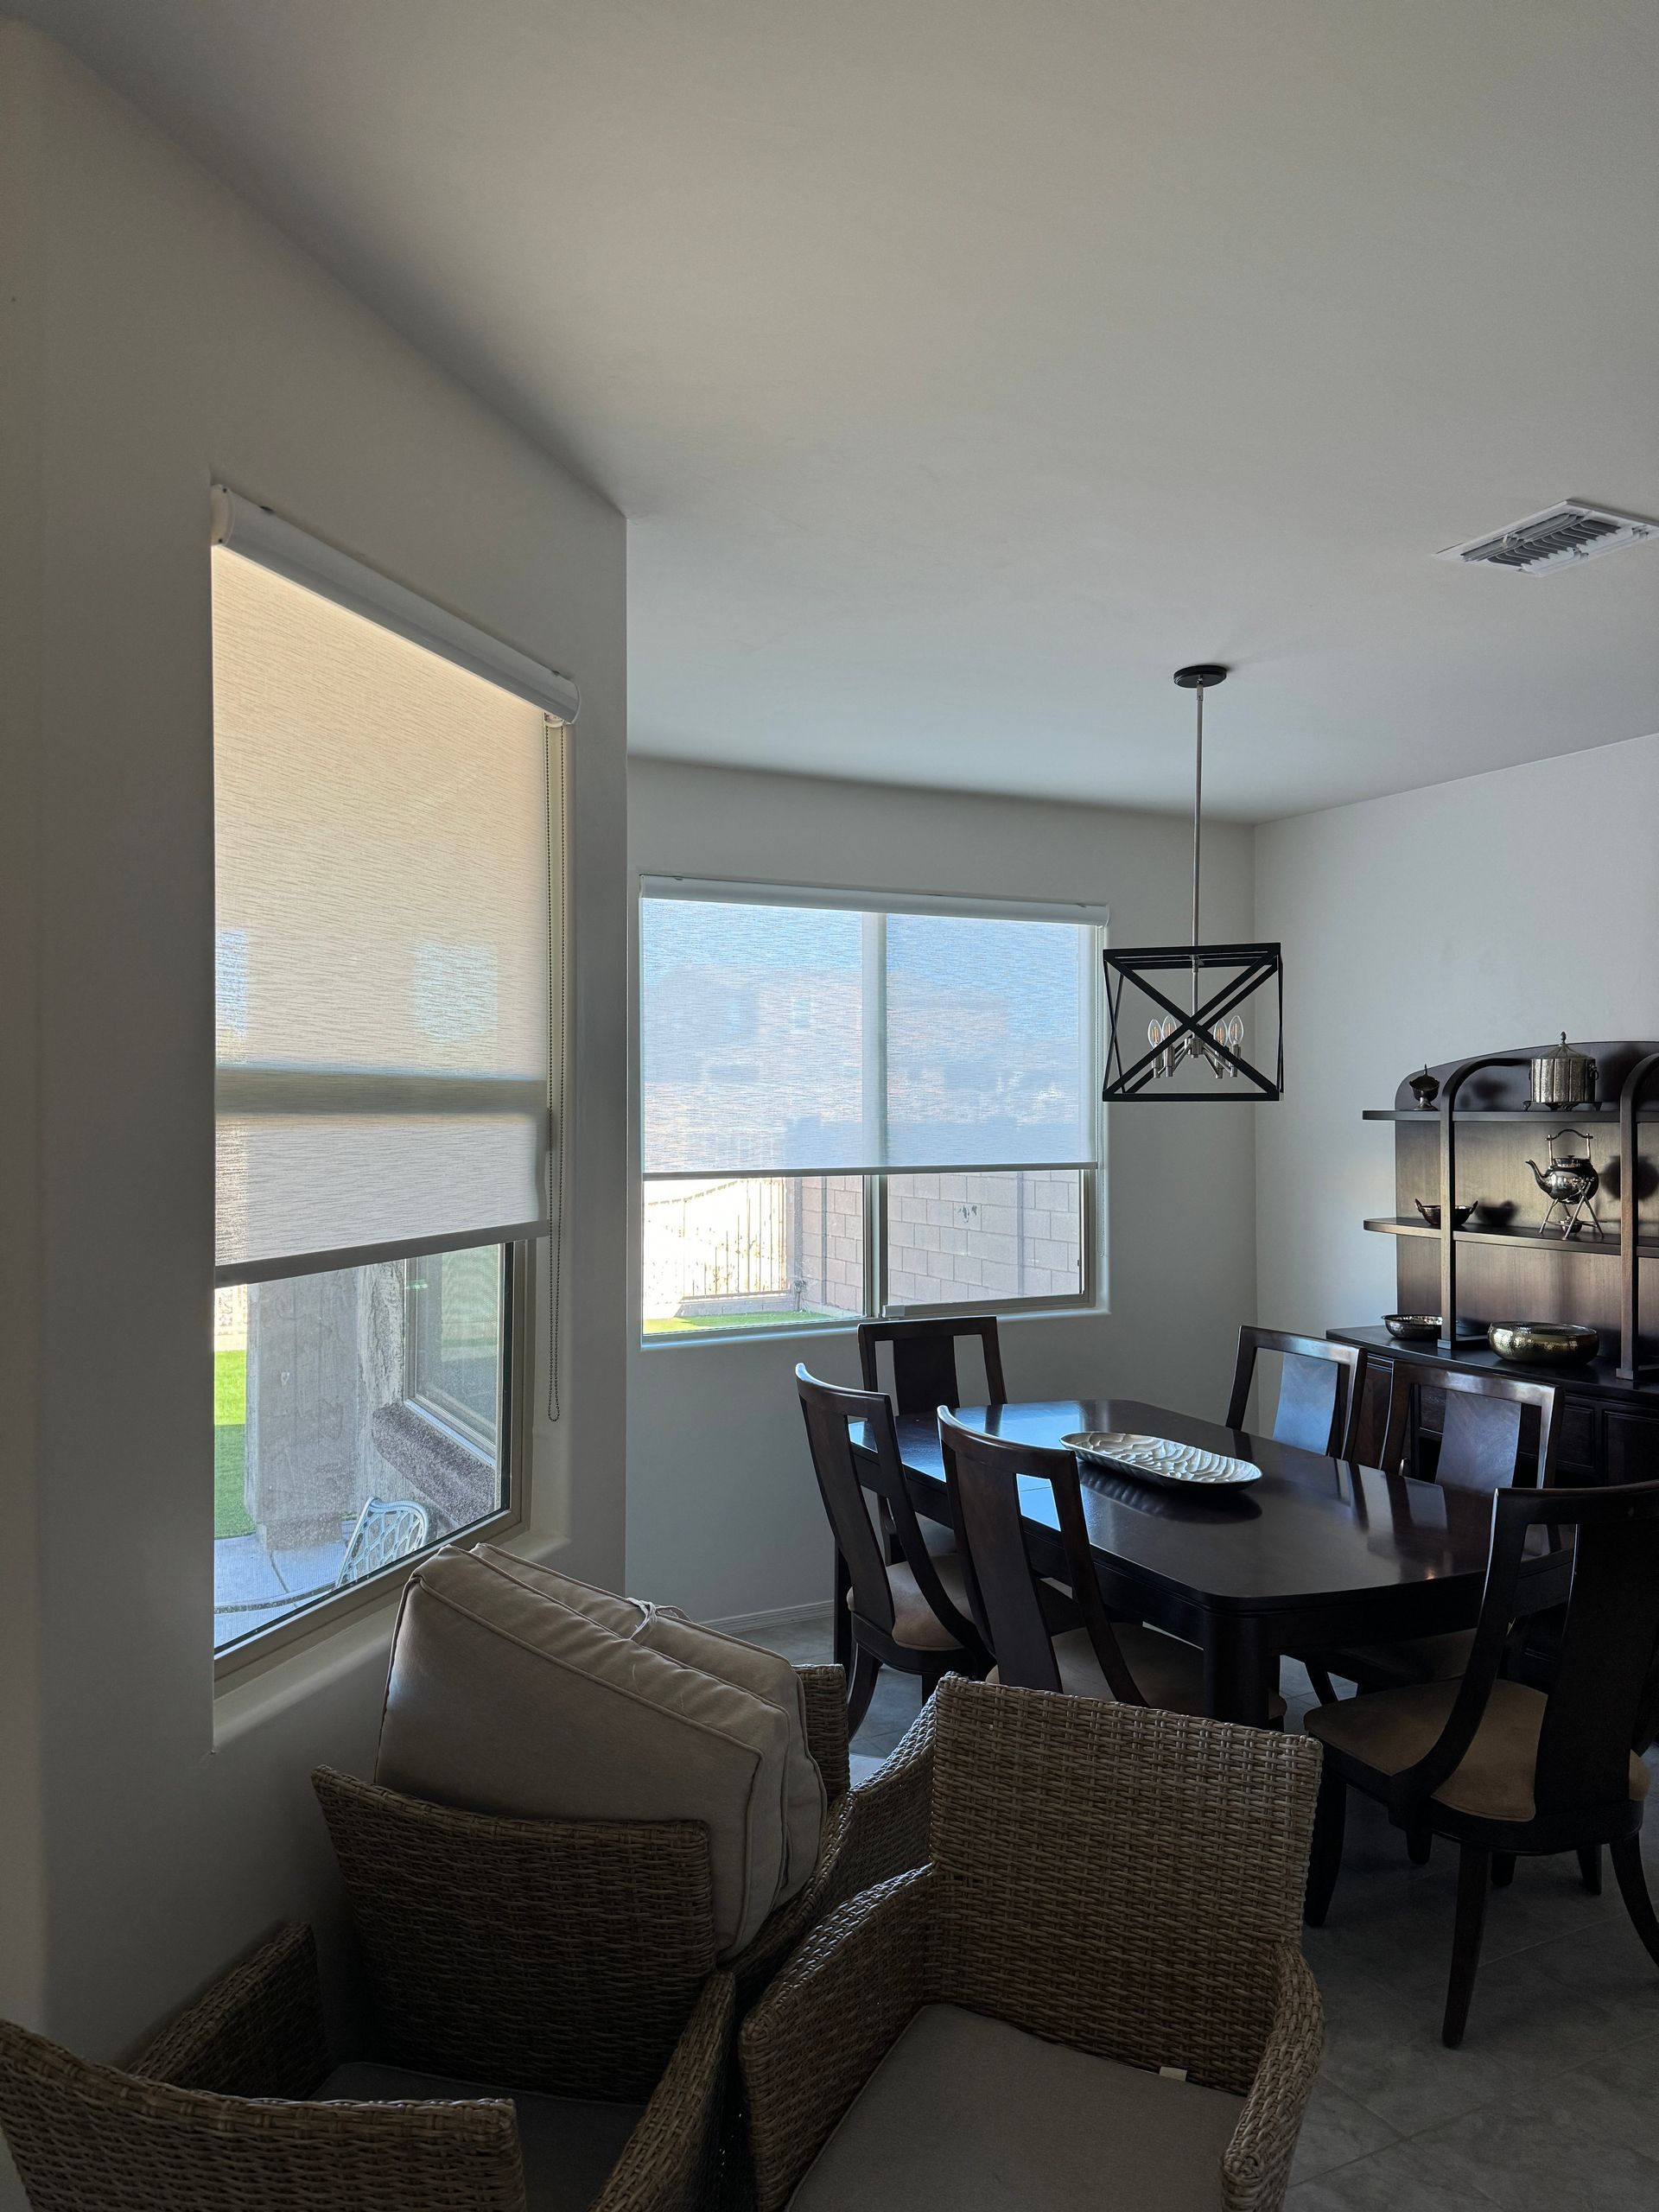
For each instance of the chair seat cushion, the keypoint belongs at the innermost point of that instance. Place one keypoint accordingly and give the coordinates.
(500, 1700)
(762, 1673)
(968, 2114)
(569, 2145)
(915, 1624)
(1393, 1729)
(1168, 1673)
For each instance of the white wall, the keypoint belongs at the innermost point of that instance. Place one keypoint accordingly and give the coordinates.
(159, 335)
(1475, 916)
(723, 1516)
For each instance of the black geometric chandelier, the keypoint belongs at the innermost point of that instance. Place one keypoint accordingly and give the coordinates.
(1195, 1051)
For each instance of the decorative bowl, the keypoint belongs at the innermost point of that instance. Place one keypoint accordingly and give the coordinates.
(1407, 1327)
(1431, 1213)
(1544, 1344)
(1160, 1459)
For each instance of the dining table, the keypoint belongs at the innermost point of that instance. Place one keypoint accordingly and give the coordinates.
(1318, 1554)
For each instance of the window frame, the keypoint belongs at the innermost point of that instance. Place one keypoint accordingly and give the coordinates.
(311, 1623)
(1091, 1296)
(253, 531)
(427, 1397)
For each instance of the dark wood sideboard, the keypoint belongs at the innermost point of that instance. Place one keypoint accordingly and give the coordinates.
(1473, 1145)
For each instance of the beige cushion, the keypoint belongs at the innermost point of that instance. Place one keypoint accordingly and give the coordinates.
(1168, 1673)
(501, 1701)
(569, 2145)
(762, 1673)
(968, 2114)
(1393, 1729)
(915, 1624)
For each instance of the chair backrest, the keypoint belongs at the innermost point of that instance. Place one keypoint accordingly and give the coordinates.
(983, 1475)
(1320, 1388)
(85, 2137)
(845, 1473)
(1119, 1878)
(1482, 1427)
(925, 1359)
(1604, 1700)
(385, 1533)
(561, 1956)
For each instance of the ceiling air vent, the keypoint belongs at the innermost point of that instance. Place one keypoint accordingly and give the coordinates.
(1555, 539)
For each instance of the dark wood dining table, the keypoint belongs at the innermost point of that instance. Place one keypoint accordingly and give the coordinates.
(1320, 1552)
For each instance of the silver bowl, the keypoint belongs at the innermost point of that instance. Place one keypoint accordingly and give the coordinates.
(1544, 1344)
(1407, 1327)
(1431, 1213)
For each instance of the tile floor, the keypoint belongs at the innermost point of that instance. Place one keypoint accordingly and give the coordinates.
(1552, 2105)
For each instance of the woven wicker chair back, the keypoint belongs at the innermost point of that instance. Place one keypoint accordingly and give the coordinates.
(553, 1955)
(86, 2139)
(1205, 1828)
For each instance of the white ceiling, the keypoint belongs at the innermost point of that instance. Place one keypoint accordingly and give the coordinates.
(964, 365)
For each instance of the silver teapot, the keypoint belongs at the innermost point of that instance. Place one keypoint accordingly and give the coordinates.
(1569, 1181)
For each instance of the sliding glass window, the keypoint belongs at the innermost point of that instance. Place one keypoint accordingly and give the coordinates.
(382, 815)
(850, 1110)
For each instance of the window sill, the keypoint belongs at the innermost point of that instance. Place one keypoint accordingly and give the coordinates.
(676, 1340)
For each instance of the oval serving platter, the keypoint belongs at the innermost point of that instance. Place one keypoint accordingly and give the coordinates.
(1160, 1459)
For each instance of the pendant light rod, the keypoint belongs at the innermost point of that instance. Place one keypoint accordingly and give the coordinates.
(1197, 816)
(1198, 677)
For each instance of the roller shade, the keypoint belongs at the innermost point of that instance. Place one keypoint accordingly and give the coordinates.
(784, 1037)
(381, 817)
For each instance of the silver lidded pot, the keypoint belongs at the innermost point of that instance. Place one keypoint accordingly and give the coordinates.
(1561, 1076)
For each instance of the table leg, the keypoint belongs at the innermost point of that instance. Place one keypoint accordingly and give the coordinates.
(1240, 1666)
(840, 1625)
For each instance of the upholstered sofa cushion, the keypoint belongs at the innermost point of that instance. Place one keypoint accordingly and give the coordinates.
(968, 2114)
(569, 2145)
(499, 1701)
(762, 1673)
(1391, 1730)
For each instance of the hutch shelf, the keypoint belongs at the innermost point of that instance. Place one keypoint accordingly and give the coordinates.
(1472, 1146)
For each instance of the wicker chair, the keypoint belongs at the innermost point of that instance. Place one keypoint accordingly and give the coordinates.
(237, 2106)
(487, 1934)
(1120, 1881)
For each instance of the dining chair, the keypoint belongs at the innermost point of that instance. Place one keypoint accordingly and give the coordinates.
(907, 1612)
(1320, 1384)
(1124, 1661)
(924, 1354)
(1497, 1766)
(1482, 1441)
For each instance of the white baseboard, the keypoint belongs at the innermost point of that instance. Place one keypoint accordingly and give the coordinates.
(736, 1624)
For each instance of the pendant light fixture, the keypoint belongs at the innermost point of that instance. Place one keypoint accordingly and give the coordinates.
(1195, 1051)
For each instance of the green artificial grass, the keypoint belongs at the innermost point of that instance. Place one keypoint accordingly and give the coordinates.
(230, 1443)
(677, 1325)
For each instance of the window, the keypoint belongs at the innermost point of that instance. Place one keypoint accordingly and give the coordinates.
(849, 1111)
(381, 815)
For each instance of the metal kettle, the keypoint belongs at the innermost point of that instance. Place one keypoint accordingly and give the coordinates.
(1569, 1181)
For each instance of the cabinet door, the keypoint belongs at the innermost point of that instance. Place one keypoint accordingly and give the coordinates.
(1631, 1446)
(1575, 1441)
